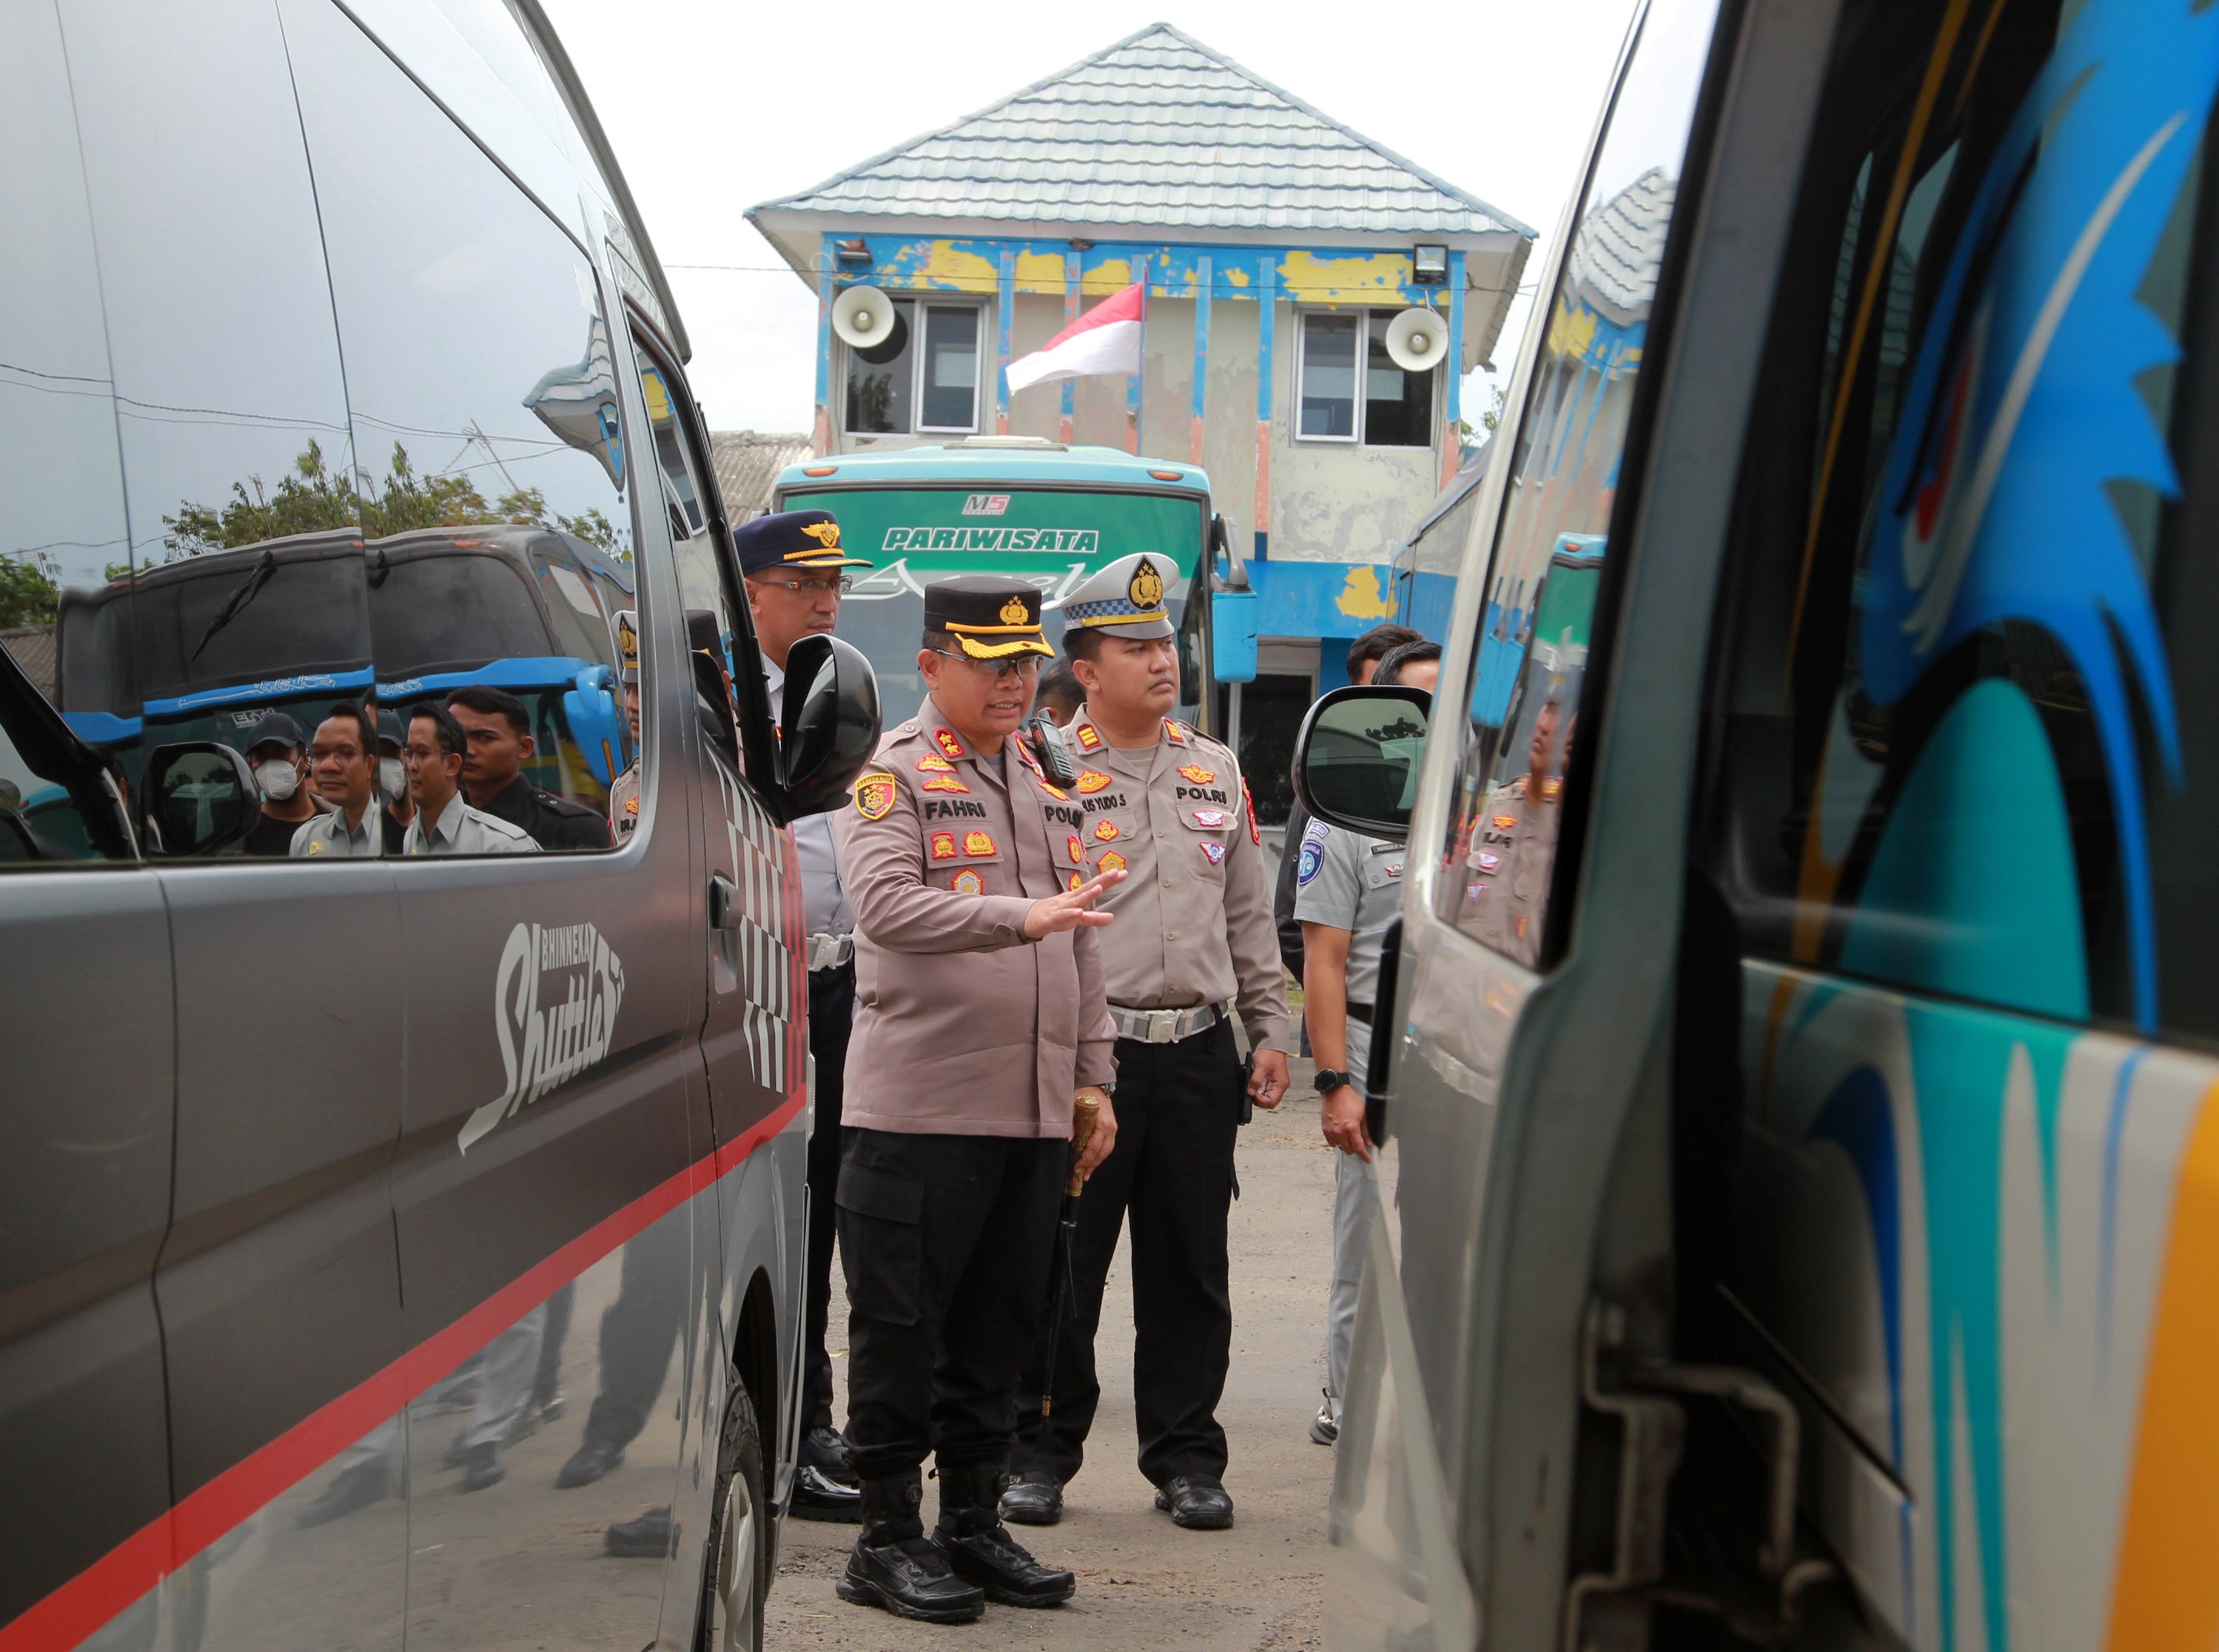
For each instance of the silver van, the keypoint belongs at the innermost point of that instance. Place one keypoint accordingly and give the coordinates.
(1803, 1085)
(394, 1247)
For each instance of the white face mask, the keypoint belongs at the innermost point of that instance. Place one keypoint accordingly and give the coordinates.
(277, 777)
(393, 776)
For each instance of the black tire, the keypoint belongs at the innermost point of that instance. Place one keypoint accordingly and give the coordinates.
(739, 1496)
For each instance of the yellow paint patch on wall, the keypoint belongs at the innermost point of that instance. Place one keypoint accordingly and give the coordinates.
(1040, 272)
(2164, 1597)
(1236, 276)
(1361, 597)
(1360, 279)
(1110, 276)
(948, 267)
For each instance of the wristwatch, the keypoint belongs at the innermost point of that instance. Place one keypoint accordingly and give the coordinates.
(1329, 1079)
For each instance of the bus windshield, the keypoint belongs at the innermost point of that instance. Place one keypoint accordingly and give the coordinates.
(1052, 537)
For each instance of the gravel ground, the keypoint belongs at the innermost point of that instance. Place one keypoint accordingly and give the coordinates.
(1141, 1581)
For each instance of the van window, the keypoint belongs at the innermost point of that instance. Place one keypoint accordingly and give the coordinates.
(1962, 744)
(1529, 655)
(483, 402)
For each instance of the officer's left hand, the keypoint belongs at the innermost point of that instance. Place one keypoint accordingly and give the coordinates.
(1267, 1077)
(1105, 1131)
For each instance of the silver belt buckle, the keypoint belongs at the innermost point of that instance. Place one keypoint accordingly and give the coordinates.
(1163, 1026)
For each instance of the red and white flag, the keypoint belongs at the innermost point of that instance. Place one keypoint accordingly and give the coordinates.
(1106, 339)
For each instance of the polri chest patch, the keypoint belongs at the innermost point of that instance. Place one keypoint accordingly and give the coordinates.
(1213, 851)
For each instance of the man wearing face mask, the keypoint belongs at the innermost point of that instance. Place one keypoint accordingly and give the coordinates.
(393, 778)
(342, 763)
(279, 757)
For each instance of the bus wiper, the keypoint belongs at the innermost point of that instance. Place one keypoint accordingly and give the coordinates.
(248, 588)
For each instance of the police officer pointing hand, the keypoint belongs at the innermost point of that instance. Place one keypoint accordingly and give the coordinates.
(980, 1020)
(1192, 966)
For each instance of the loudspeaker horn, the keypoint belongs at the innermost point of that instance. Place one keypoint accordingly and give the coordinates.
(1418, 340)
(863, 317)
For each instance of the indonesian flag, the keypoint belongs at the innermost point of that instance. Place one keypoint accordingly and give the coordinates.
(1106, 339)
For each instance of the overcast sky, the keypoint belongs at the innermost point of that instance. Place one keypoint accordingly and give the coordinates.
(713, 107)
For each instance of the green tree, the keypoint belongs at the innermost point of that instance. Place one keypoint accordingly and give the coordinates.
(28, 595)
(312, 499)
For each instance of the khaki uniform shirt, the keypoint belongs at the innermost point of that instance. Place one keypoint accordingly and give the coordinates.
(623, 805)
(1507, 865)
(1194, 914)
(461, 829)
(962, 1026)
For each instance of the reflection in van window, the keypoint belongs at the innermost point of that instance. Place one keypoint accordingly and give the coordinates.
(1530, 656)
(493, 470)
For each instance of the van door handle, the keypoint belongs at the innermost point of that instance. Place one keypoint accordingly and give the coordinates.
(723, 903)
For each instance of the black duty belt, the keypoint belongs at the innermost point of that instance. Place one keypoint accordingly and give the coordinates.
(1360, 1012)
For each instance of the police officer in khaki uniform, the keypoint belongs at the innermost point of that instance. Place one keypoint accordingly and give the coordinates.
(980, 1018)
(1192, 965)
(1512, 849)
(624, 791)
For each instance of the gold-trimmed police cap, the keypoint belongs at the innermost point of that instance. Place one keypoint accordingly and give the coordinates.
(1126, 599)
(627, 620)
(990, 617)
(792, 539)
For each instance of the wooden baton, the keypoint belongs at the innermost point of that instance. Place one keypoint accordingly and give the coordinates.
(1085, 1110)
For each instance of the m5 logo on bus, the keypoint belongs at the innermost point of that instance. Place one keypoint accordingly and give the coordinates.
(986, 504)
(549, 1031)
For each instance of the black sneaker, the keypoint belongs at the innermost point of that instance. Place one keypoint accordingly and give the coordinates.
(586, 1464)
(910, 1578)
(482, 1467)
(1004, 1568)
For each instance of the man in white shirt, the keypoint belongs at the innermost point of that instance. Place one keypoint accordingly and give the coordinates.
(795, 575)
(343, 767)
(443, 824)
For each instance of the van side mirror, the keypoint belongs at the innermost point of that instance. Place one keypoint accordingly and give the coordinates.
(828, 725)
(1357, 757)
(199, 798)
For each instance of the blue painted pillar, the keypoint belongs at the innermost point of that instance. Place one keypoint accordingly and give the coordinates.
(1452, 403)
(1008, 287)
(1267, 307)
(1201, 272)
(1075, 269)
(821, 434)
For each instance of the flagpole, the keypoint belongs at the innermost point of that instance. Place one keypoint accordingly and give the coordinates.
(1133, 386)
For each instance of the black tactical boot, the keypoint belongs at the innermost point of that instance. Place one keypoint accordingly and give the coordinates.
(980, 1546)
(895, 1567)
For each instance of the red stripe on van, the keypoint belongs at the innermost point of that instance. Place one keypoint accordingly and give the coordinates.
(127, 1571)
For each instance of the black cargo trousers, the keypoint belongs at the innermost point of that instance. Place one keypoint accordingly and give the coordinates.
(1171, 1172)
(944, 1241)
(831, 1018)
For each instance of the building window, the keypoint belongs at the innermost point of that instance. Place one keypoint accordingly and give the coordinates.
(1387, 408)
(904, 386)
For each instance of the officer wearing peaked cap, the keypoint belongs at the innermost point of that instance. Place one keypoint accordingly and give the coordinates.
(980, 1021)
(1194, 981)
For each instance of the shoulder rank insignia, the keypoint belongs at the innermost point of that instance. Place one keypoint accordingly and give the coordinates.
(631, 805)
(1025, 754)
(1198, 773)
(1210, 817)
(969, 882)
(944, 783)
(1091, 780)
(949, 744)
(1110, 861)
(1213, 851)
(1077, 850)
(1055, 792)
(1505, 822)
(1088, 740)
(1249, 803)
(1174, 733)
(943, 846)
(929, 764)
(1106, 829)
(977, 844)
(874, 794)
(1551, 787)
